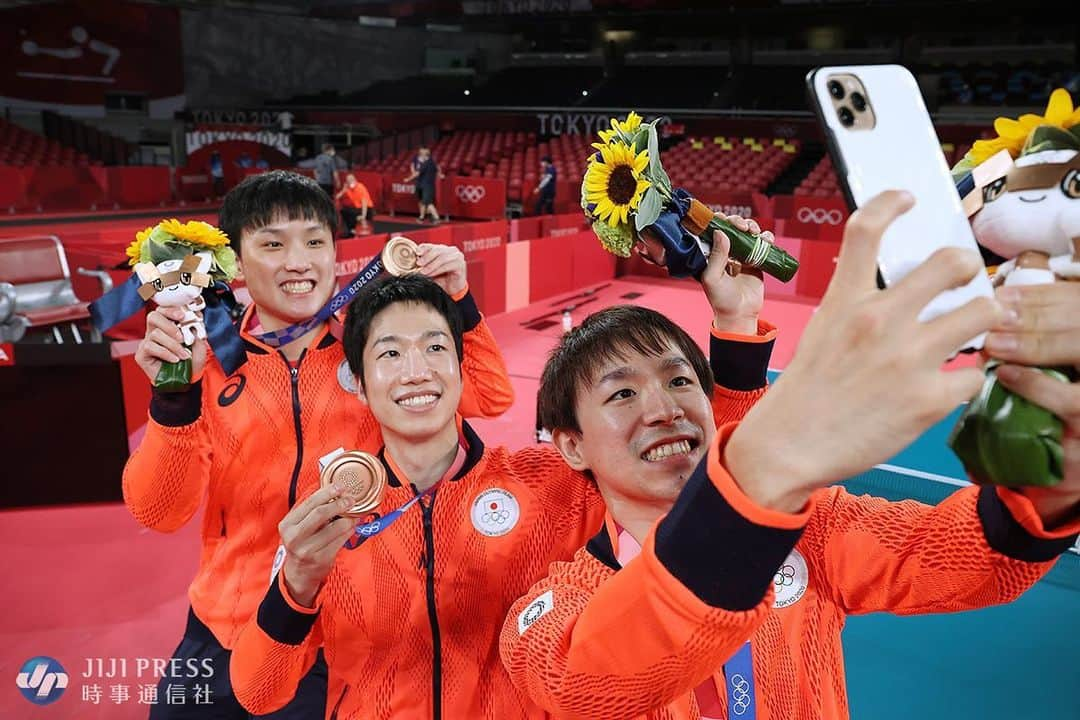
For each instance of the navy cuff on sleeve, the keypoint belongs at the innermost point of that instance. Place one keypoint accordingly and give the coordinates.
(176, 409)
(470, 314)
(1009, 537)
(739, 365)
(724, 559)
(280, 621)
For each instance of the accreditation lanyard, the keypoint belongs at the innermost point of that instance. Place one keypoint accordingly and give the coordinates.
(739, 682)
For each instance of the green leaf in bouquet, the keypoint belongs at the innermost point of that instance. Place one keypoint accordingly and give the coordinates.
(1005, 439)
(616, 240)
(641, 139)
(649, 209)
(173, 377)
(660, 181)
(225, 267)
(654, 151)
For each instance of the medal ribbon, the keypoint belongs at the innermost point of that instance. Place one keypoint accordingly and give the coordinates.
(371, 529)
(339, 301)
(739, 681)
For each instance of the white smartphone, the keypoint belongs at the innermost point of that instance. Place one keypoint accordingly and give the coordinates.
(880, 137)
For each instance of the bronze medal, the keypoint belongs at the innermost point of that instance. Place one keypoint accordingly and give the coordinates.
(399, 256)
(363, 476)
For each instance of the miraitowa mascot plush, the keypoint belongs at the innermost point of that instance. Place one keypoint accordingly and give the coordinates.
(1023, 189)
(174, 263)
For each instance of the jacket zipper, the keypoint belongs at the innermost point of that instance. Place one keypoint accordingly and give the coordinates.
(337, 705)
(433, 616)
(294, 381)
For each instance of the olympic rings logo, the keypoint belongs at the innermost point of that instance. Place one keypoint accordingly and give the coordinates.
(495, 517)
(820, 216)
(740, 694)
(784, 577)
(471, 193)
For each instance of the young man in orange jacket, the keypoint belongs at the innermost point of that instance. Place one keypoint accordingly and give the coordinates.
(248, 444)
(652, 619)
(410, 619)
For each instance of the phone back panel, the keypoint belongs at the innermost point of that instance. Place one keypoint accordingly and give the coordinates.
(901, 152)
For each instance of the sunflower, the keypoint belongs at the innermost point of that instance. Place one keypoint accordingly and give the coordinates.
(196, 232)
(1012, 134)
(170, 239)
(135, 249)
(614, 182)
(626, 127)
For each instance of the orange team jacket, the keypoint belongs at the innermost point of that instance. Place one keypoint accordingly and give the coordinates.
(596, 639)
(410, 620)
(249, 445)
(358, 196)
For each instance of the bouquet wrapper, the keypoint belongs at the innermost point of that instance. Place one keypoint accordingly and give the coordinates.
(688, 219)
(174, 377)
(1005, 439)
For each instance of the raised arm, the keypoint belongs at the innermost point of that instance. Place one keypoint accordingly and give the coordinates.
(166, 477)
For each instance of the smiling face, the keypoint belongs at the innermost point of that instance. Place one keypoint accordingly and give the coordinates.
(288, 266)
(411, 372)
(645, 423)
(1035, 207)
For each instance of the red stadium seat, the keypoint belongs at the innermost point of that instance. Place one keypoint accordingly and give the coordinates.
(36, 282)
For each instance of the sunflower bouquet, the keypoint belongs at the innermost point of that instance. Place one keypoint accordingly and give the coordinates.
(626, 191)
(173, 263)
(1002, 437)
(174, 240)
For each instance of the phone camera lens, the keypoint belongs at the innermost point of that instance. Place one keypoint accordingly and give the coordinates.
(858, 101)
(836, 89)
(847, 118)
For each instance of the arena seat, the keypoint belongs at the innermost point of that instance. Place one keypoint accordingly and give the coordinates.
(36, 291)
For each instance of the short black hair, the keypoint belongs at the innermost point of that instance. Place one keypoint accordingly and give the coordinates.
(256, 201)
(546, 158)
(388, 290)
(604, 336)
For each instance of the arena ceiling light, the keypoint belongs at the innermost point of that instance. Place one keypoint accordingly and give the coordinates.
(371, 21)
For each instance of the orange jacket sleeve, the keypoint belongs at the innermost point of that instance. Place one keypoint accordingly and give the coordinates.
(486, 390)
(165, 479)
(980, 546)
(596, 641)
(274, 651)
(739, 364)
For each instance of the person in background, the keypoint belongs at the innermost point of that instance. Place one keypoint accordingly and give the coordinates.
(217, 173)
(326, 174)
(356, 204)
(425, 172)
(545, 191)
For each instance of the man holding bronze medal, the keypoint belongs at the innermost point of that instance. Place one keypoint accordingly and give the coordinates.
(410, 615)
(247, 442)
(724, 596)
